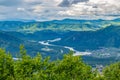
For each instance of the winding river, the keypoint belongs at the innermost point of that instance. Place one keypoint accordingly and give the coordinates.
(76, 53)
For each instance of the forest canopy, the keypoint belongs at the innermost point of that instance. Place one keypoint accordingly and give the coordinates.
(70, 67)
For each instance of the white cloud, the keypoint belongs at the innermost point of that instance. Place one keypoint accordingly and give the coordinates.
(49, 9)
(93, 8)
(37, 9)
(21, 9)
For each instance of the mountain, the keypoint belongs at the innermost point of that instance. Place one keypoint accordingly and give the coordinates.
(57, 37)
(57, 25)
(12, 40)
(8, 42)
(36, 36)
(91, 40)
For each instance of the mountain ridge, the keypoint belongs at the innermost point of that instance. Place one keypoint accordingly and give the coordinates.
(57, 25)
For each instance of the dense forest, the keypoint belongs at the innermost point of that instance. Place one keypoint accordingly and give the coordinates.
(37, 68)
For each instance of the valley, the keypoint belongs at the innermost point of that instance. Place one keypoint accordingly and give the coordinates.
(99, 40)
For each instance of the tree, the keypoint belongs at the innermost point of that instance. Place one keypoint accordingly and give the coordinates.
(6, 66)
(36, 68)
(112, 72)
(73, 68)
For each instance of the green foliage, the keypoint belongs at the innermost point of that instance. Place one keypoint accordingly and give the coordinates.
(74, 68)
(99, 78)
(36, 68)
(6, 66)
(112, 72)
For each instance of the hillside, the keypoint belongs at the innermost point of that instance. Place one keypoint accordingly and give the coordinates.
(11, 41)
(57, 25)
(101, 43)
(82, 40)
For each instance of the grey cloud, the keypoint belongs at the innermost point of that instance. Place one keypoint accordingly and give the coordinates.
(3, 13)
(64, 3)
(57, 9)
(10, 2)
(67, 3)
(35, 3)
(77, 1)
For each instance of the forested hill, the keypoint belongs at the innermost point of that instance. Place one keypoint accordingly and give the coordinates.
(57, 25)
(82, 40)
(104, 37)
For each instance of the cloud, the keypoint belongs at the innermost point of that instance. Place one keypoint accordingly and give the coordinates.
(20, 9)
(59, 9)
(68, 3)
(93, 8)
(10, 2)
(33, 2)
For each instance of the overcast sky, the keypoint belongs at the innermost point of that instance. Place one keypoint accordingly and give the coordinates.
(59, 9)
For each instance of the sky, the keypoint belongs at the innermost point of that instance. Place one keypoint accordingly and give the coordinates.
(44, 10)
